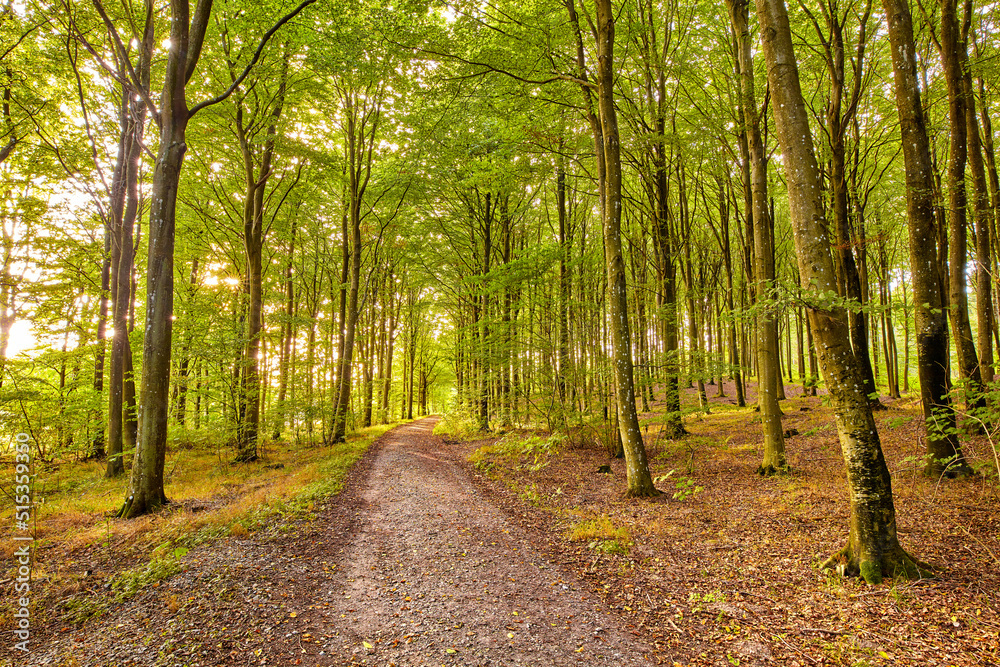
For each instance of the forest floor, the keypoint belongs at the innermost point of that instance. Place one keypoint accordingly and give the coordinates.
(409, 565)
(722, 569)
(516, 550)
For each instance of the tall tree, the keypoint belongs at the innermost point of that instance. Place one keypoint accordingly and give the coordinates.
(841, 109)
(362, 109)
(943, 449)
(763, 249)
(954, 60)
(187, 36)
(252, 117)
(640, 482)
(873, 548)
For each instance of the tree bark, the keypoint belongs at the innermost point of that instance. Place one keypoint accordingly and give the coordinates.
(640, 483)
(873, 549)
(929, 314)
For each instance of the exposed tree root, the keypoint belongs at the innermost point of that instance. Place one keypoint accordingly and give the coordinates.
(895, 565)
(652, 492)
(770, 470)
(132, 509)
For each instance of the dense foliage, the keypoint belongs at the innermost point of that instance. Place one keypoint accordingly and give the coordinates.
(399, 209)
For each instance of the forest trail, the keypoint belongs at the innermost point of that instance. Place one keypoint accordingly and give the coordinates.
(435, 574)
(409, 565)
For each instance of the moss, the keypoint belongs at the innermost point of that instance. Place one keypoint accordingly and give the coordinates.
(643, 491)
(900, 565)
(912, 568)
(871, 572)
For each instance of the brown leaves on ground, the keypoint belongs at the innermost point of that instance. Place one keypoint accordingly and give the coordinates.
(723, 568)
(719, 570)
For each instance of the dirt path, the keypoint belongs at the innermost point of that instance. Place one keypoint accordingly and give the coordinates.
(436, 574)
(409, 566)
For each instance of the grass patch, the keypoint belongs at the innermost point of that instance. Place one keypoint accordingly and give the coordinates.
(601, 535)
(161, 567)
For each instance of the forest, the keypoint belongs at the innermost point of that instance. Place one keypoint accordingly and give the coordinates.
(241, 241)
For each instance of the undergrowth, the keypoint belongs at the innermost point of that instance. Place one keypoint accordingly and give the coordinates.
(601, 535)
(457, 426)
(532, 453)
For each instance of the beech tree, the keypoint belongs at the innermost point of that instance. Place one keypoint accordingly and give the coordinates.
(755, 184)
(187, 36)
(943, 449)
(954, 58)
(873, 548)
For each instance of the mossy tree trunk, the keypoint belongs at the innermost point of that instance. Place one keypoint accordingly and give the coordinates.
(873, 549)
(929, 314)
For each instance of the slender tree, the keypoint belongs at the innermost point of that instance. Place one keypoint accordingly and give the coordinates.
(640, 482)
(768, 376)
(943, 449)
(187, 36)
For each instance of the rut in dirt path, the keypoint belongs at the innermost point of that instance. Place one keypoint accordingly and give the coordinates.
(434, 574)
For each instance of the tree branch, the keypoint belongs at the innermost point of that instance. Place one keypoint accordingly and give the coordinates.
(253, 61)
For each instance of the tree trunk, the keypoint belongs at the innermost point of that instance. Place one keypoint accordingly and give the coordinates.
(344, 389)
(564, 286)
(954, 60)
(763, 244)
(943, 447)
(184, 366)
(286, 337)
(873, 549)
(124, 212)
(362, 116)
(983, 243)
(97, 442)
(146, 486)
(390, 346)
(640, 483)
